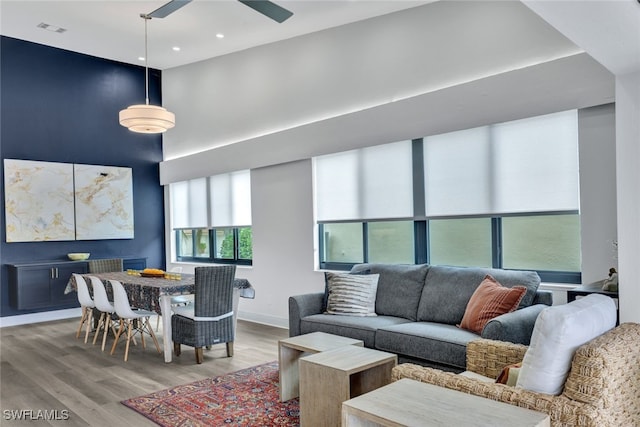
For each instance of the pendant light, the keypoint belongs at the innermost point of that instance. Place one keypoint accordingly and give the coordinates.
(145, 118)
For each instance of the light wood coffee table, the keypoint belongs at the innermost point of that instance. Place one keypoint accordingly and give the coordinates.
(291, 349)
(329, 378)
(411, 403)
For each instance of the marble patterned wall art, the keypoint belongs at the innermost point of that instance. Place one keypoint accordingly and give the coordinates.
(104, 202)
(38, 200)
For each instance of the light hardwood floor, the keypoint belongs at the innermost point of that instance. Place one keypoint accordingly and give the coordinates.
(44, 367)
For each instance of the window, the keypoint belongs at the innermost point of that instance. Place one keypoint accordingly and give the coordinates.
(503, 196)
(211, 219)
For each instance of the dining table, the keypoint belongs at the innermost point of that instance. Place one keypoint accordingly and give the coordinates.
(154, 293)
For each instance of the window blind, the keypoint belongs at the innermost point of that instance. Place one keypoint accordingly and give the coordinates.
(528, 165)
(368, 183)
(217, 201)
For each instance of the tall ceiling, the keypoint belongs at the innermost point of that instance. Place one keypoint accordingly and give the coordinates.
(115, 30)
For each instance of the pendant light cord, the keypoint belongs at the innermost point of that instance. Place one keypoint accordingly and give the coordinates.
(146, 60)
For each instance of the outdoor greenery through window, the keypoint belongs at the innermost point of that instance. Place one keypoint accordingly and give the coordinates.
(501, 196)
(231, 245)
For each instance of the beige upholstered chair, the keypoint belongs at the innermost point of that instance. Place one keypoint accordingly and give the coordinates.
(602, 389)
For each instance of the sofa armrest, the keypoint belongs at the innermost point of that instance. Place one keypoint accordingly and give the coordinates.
(561, 410)
(515, 327)
(301, 306)
(489, 357)
(543, 297)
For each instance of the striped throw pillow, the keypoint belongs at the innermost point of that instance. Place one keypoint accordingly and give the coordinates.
(352, 294)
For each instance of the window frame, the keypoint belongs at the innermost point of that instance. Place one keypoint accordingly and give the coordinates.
(212, 245)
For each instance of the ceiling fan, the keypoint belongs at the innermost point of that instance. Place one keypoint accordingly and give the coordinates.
(265, 7)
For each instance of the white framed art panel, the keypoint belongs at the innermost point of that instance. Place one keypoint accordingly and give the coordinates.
(104, 202)
(38, 201)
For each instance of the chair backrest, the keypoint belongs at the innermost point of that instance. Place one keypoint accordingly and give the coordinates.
(105, 265)
(214, 290)
(121, 301)
(100, 296)
(84, 297)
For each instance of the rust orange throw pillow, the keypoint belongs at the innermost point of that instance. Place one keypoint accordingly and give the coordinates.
(490, 300)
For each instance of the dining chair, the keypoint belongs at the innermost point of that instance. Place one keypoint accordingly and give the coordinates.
(106, 308)
(105, 265)
(209, 320)
(134, 320)
(87, 304)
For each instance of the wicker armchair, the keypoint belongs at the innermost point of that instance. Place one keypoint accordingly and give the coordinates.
(209, 320)
(105, 265)
(602, 389)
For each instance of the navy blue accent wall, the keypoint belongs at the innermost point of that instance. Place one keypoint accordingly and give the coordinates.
(61, 106)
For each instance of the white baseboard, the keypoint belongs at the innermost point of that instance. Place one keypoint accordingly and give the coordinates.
(278, 322)
(47, 316)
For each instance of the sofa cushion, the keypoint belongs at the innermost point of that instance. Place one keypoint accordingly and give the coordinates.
(558, 332)
(490, 300)
(357, 327)
(352, 294)
(442, 344)
(399, 288)
(325, 298)
(447, 290)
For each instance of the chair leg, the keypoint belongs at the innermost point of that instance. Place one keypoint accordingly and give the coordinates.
(83, 319)
(129, 333)
(153, 336)
(158, 322)
(88, 328)
(199, 355)
(176, 349)
(230, 349)
(101, 324)
(107, 326)
(115, 341)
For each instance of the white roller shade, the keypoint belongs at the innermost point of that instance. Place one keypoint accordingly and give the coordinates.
(368, 183)
(230, 199)
(189, 204)
(528, 165)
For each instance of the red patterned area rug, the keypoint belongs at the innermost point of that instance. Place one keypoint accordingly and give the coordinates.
(245, 398)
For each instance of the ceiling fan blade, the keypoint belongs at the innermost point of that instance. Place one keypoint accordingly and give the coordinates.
(269, 9)
(167, 8)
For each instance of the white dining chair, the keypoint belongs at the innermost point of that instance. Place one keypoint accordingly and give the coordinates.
(133, 320)
(87, 304)
(107, 310)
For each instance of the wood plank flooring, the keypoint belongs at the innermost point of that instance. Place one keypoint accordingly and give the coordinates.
(43, 367)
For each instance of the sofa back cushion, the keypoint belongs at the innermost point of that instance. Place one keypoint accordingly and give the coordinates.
(447, 290)
(399, 287)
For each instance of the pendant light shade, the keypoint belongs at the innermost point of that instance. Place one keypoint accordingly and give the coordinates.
(145, 118)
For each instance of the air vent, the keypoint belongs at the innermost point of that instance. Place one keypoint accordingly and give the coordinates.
(51, 28)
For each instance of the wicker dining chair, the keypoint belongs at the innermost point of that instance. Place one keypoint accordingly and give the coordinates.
(209, 320)
(105, 265)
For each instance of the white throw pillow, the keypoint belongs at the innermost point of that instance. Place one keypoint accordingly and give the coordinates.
(557, 334)
(352, 294)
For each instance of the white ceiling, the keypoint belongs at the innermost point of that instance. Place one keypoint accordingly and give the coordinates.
(114, 30)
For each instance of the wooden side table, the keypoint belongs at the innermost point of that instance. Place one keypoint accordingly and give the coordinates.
(411, 403)
(329, 378)
(290, 350)
(593, 288)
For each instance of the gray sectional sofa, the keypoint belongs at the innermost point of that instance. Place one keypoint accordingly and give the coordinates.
(418, 308)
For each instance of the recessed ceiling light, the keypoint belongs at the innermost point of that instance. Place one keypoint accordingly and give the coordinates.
(51, 28)
(176, 48)
(220, 35)
(140, 58)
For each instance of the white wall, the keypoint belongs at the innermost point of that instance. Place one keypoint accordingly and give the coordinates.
(628, 181)
(597, 191)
